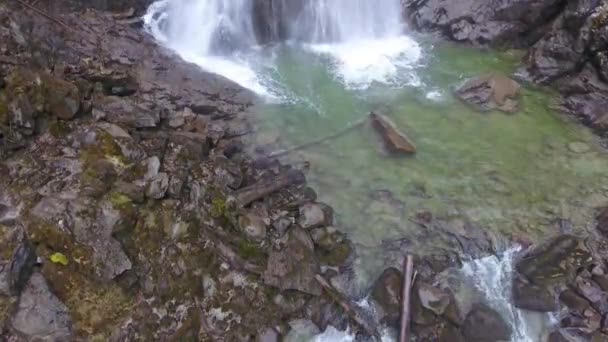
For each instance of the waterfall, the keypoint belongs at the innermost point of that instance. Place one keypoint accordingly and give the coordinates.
(492, 277)
(365, 39)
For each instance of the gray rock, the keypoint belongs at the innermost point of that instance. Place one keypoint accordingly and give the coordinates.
(93, 227)
(16, 259)
(176, 185)
(302, 330)
(268, 335)
(484, 324)
(480, 21)
(40, 315)
(253, 226)
(533, 297)
(157, 186)
(293, 265)
(313, 215)
(433, 298)
(119, 110)
(557, 259)
(152, 167)
(574, 301)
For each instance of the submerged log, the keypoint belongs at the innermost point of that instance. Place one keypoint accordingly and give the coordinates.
(349, 308)
(319, 141)
(262, 189)
(395, 141)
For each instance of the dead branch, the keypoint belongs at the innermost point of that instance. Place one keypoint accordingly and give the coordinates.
(262, 189)
(405, 297)
(338, 134)
(349, 307)
(46, 15)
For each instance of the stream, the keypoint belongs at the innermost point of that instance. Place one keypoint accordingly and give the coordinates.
(491, 181)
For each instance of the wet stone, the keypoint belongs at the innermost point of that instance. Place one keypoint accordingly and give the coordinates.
(578, 147)
(484, 324)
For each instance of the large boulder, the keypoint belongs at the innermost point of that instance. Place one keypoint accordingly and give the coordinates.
(292, 265)
(484, 324)
(558, 259)
(386, 293)
(40, 316)
(489, 92)
(482, 21)
(533, 297)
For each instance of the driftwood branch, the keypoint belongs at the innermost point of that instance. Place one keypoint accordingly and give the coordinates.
(46, 15)
(262, 189)
(349, 308)
(408, 269)
(338, 134)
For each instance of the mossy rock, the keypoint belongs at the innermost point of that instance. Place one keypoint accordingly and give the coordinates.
(46, 93)
(337, 256)
(4, 117)
(95, 307)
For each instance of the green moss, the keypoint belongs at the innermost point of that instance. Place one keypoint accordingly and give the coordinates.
(218, 208)
(120, 201)
(59, 129)
(104, 148)
(250, 251)
(4, 116)
(336, 256)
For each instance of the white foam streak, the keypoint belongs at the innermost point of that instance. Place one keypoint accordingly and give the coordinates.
(359, 63)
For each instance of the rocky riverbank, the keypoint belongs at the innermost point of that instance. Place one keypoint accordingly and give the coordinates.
(128, 209)
(566, 42)
(567, 45)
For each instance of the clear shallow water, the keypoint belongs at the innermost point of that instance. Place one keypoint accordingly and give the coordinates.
(511, 175)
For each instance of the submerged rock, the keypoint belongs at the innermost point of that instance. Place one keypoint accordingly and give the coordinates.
(40, 316)
(395, 141)
(578, 147)
(489, 92)
(484, 324)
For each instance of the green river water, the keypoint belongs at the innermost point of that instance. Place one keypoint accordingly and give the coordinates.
(512, 175)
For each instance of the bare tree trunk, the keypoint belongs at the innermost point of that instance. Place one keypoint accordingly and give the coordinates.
(408, 270)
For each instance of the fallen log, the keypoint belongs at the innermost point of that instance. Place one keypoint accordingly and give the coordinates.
(395, 141)
(349, 307)
(335, 135)
(262, 189)
(408, 269)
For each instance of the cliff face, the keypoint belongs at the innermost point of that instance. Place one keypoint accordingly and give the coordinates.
(128, 208)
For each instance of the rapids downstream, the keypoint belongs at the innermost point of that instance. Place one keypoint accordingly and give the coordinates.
(323, 64)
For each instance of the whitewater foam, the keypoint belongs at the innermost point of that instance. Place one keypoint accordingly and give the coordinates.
(359, 63)
(219, 37)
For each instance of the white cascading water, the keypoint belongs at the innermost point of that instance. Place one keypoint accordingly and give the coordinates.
(493, 276)
(364, 39)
